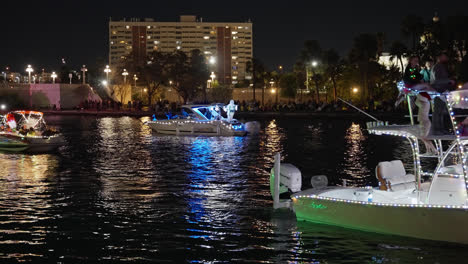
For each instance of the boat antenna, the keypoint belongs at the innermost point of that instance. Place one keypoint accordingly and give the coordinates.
(357, 108)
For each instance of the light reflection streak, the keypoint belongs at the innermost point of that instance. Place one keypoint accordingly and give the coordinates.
(209, 191)
(25, 200)
(355, 158)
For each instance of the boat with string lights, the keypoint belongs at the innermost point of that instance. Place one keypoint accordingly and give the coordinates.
(202, 120)
(27, 131)
(428, 203)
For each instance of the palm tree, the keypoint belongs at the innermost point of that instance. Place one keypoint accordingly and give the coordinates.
(333, 68)
(257, 69)
(397, 51)
(412, 27)
(312, 52)
(364, 52)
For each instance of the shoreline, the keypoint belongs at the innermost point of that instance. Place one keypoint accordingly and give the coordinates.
(238, 114)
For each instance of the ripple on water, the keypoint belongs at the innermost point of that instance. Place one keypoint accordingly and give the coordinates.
(117, 192)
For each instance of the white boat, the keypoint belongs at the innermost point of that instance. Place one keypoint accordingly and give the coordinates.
(204, 120)
(429, 203)
(27, 131)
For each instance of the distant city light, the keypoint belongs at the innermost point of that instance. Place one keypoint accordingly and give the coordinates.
(104, 83)
(53, 75)
(355, 90)
(2, 107)
(29, 69)
(314, 64)
(212, 60)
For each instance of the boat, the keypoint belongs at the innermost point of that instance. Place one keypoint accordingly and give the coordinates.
(428, 203)
(27, 131)
(12, 145)
(200, 120)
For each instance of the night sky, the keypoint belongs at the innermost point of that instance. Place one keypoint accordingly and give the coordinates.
(42, 32)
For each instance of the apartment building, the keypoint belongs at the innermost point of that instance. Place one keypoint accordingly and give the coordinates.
(227, 46)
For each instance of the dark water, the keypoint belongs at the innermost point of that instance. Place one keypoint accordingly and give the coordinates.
(119, 193)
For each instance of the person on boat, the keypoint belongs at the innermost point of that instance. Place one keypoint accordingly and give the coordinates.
(218, 112)
(230, 109)
(442, 82)
(426, 71)
(414, 80)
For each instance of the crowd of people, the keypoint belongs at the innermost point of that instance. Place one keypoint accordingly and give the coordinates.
(431, 82)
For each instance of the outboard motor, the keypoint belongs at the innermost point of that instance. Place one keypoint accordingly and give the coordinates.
(290, 178)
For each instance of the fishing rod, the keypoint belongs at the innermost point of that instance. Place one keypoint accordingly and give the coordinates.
(357, 108)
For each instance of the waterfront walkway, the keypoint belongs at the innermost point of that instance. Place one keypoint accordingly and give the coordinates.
(257, 114)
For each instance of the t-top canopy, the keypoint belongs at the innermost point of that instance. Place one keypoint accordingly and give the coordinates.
(458, 99)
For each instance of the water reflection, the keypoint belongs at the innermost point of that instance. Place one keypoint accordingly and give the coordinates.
(25, 203)
(355, 156)
(118, 192)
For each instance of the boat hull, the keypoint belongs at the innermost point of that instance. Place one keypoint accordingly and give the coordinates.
(195, 128)
(441, 224)
(32, 144)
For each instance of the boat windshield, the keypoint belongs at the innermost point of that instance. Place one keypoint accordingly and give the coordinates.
(211, 112)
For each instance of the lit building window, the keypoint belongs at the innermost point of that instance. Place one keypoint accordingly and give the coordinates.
(156, 42)
(206, 37)
(127, 27)
(178, 47)
(234, 32)
(149, 37)
(148, 27)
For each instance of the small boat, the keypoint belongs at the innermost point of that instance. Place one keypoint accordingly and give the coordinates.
(12, 145)
(199, 120)
(429, 203)
(27, 131)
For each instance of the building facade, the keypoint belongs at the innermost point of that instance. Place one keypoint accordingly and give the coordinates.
(227, 46)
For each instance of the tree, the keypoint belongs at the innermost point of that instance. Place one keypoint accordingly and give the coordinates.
(333, 69)
(151, 72)
(364, 52)
(288, 85)
(257, 69)
(310, 57)
(412, 27)
(188, 74)
(458, 34)
(397, 51)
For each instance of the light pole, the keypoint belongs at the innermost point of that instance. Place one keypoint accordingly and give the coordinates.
(212, 76)
(107, 70)
(314, 65)
(84, 70)
(135, 79)
(125, 74)
(53, 75)
(29, 69)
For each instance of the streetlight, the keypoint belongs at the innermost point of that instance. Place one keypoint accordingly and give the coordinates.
(107, 70)
(212, 60)
(104, 83)
(135, 79)
(84, 70)
(125, 74)
(314, 63)
(212, 76)
(29, 69)
(355, 90)
(53, 75)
